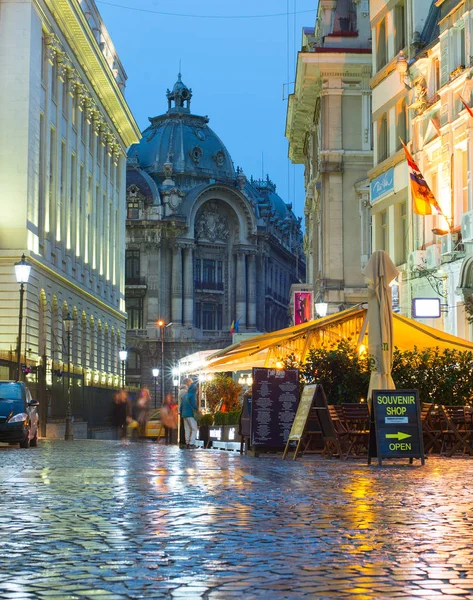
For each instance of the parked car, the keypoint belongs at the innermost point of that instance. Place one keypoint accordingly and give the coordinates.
(19, 421)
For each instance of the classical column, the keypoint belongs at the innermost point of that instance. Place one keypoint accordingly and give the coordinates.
(240, 289)
(252, 291)
(188, 286)
(176, 285)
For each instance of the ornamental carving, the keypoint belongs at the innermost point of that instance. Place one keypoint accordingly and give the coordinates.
(211, 226)
(196, 154)
(219, 158)
(420, 103)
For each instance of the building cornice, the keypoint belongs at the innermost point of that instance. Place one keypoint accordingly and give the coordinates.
(311, 68)
(71, 285)
(75, 28)
(390, 162)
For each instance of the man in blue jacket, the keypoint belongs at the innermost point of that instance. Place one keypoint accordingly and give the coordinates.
(188, 406)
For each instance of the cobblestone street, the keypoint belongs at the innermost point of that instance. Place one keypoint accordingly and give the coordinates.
(93, 519)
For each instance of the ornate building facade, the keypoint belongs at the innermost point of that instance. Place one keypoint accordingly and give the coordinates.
(65, 128)
(422, 56)
(329, 131)
(206, 247)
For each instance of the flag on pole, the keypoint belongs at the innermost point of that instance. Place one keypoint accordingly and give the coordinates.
(232, 327)
(235, 325)
(470, 112)
(422, 197)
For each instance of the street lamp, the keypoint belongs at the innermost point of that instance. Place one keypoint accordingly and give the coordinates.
(155, 375)
(321, 309)
(68, 323)
(22, 273)
(123, 354)
(162, 325)
(175, 381)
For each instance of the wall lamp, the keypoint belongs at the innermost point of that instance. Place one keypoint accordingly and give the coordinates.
(402, 67)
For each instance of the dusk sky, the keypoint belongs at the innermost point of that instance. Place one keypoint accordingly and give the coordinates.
(236, 68)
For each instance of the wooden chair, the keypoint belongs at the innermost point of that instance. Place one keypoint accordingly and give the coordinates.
(432, 434)
(334, 443)
(356, 419)
(456, 430)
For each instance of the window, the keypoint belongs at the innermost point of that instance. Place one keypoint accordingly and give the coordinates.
(382, 138)
(208, 316)
(401, 122)
(402, 255)
(384, 231)
(44, 62)
(399, 27)
(65, 100)
(134, 308)
(53, 89)
(381, 45)
(208, 271)
(133, 208)
(74, 110)
(197, 267)
(132, 266)
(133, 365)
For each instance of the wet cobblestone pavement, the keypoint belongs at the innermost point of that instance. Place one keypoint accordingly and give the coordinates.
(94, 519)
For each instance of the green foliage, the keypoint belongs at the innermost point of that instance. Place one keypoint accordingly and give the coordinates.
(222, 394)
(207, 419)
(441, 377)
(343, 373)
(227, 418)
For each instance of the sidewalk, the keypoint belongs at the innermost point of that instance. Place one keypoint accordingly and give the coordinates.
(94, 519)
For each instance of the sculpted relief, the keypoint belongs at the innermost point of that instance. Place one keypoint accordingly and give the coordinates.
(211, 226)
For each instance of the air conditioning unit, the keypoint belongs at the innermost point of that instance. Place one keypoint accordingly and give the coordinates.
(432, 256)
(467, 226)
(416, 260)
(448, 243)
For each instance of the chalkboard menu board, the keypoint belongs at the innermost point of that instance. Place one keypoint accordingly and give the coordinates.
(396, 425)
(274, 405)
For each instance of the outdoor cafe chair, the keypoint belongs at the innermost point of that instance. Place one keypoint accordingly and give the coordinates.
(334, 444)
(430, 427)
(356, 419)
(456, 429)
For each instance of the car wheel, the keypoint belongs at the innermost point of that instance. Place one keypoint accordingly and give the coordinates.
(34, 440)
(26, 442)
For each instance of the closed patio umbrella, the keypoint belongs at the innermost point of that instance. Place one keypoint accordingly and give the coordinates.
(380, 272)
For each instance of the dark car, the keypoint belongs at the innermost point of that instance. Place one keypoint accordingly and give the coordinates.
(19, 421)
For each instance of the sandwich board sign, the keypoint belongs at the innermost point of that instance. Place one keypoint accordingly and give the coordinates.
(396, 426)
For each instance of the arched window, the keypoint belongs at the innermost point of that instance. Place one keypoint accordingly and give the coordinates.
(42, 323)
(113, 352)
(99, 346)
(106, 350)
(54, 330)
(92, 355)
(83, 351)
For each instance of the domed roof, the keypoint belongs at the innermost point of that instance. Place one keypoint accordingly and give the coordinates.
(184, 140)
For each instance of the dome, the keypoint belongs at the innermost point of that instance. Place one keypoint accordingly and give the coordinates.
(185, 141)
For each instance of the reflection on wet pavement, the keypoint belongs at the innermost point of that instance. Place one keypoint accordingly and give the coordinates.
(94, 519)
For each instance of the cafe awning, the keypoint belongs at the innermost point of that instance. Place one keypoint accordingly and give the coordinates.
(268, 349)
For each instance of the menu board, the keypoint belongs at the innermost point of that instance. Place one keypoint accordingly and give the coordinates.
(274, 405)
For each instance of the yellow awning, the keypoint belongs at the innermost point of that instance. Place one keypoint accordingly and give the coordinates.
(267, 349)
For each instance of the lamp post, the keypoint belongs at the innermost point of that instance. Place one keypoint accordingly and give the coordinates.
(22, 273)
(155, 375)
(68, 323)
(161, 324)
(175, 381)
(123, 354)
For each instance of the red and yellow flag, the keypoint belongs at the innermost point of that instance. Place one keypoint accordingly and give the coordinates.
(422, 197)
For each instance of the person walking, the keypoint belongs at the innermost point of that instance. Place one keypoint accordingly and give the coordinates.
(188, 405)
(142, 406)
(169, 417)
(121, 413)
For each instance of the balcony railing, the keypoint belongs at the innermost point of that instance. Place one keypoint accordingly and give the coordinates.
(135, 280)
(209, 285)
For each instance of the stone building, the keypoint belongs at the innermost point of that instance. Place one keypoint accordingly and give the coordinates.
(422, 59)
(65, 126)
(329, 131)
(205, 246)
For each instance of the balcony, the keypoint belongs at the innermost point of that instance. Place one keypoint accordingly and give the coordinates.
(213, 286)
(136, 281)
